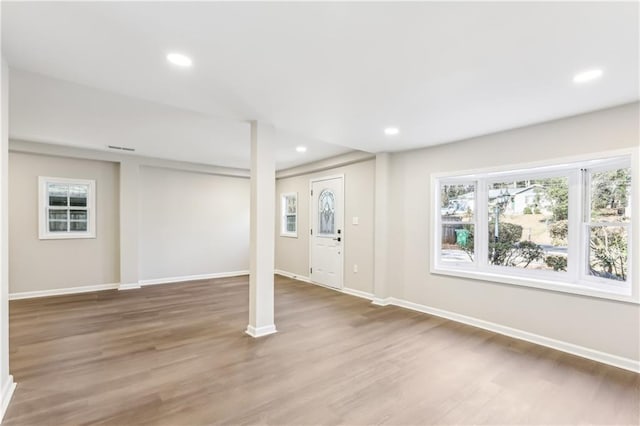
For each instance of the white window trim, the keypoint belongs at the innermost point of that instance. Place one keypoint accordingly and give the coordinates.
(283, 215)
(43, 228)
(577, 282)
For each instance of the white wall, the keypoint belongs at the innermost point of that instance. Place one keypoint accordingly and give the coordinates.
(292, 254)
(38, 265)
(184, 220)
(6, 380)
(192, 223)
(603, 325)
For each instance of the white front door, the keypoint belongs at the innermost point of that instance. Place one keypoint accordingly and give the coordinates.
(327, 232)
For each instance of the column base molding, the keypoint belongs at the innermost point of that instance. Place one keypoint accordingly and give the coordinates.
(5, 396)
(378, 301)
(265, 330)
(129, 286)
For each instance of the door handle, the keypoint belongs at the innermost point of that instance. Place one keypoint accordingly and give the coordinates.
(337, 239)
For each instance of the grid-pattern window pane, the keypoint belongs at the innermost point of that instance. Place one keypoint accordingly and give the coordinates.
(58, 215)
(78, 195)
(58, 195)
(58, 226)
(66, 208)
(78, 226)
(79, 215)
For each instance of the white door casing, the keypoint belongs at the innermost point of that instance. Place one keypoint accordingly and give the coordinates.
(326, 253)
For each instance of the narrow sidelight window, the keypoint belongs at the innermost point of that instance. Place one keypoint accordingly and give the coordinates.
(289, 215)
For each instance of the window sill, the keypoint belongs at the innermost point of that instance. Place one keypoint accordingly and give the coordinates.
(586, 289)
(289, 235)
(66, 236)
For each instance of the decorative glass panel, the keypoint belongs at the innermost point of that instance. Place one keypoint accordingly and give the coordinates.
(57, 226)
(78, 195)
(58, 194)
(326, 212)
(291, 205)
(457, 243)
(78, 226)
(58, 214)
(528, 223)
(78, 215)
(608, 247)
(611, 196)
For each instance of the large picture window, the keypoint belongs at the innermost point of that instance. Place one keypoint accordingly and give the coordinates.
(67, 208)
(564, 227)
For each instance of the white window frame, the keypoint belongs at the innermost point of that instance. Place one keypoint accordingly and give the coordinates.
(43, 208)
(575, 280)
(283, 214)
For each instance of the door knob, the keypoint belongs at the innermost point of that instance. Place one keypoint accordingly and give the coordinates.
(337, 239)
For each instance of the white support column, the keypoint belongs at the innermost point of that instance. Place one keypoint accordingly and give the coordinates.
(381, 231)
(129, 222)
(262, 244)
(7, 385)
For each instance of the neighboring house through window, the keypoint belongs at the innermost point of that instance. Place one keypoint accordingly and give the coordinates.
(564, 227)
(66, 208)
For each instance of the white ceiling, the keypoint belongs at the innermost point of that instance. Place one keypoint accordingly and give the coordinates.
(48, 110)
(332, 72)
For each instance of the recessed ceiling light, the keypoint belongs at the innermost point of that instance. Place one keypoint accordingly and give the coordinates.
(390, 131)
(179, 60)
(301, 148)
(583, 77)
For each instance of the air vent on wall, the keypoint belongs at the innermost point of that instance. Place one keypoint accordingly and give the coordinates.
(121, 148)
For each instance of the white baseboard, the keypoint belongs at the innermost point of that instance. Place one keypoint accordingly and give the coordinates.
(358, 293)
(265, 330)
(592, 354)
(7, 393)
(378, 301)
(129, 286)
(121, 286)
(185, 278)
(350, 291)
(61, 291)
(292, 275)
